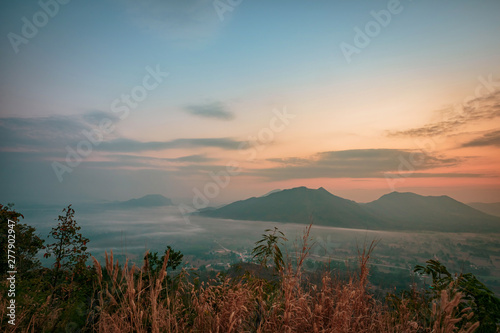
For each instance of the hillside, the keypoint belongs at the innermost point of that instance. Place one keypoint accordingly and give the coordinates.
(488, 208)
(151, 200)
(409, 211)
(394, 211)
(299, 205)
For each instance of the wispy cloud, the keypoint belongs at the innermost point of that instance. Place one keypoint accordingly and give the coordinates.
(94, 117)
(357, 163)
(148, 160)
(186, 21)
(215, 110)
(197, 158)
(29, 177)
(47, 132)
(54, 133)
(479, 109)
(128, 145)
(178, 166)
(489, 139)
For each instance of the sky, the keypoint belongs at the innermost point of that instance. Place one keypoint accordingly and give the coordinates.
(211, 101)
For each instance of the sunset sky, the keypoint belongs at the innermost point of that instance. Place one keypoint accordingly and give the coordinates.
(116, 99)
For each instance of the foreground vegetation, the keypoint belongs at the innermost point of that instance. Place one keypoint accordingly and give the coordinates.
(274, 294)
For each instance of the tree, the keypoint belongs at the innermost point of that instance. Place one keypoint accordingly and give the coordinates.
(155, 263)
(69, 248)
(27, 243)
(269, 247)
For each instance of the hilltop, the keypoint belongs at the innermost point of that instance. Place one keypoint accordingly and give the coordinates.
(150, 200)
(393, 211)
(410, 211)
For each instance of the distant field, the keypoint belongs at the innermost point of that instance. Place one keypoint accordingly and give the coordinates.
(209, 241)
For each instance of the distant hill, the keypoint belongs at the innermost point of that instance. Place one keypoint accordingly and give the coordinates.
(394, 211)
(151, 200)
(488, 208)
(439, 213)
(299, 205)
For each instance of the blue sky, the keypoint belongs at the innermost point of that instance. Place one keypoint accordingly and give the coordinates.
(261, 56)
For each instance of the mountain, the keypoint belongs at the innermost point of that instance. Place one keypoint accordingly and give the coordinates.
(151, 200)
(299, 205)
(393, 211)
(488, 208)
(438, 213)
(270, 192)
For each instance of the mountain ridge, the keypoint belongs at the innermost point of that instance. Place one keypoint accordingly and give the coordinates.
(149, 200)
(412, 211)
(492, 208)
(392, 211)
(297, 205)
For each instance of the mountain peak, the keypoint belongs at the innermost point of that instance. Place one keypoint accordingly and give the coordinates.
(150, 200)
(396, 194)
(271, 192)
(298, 205)
(306, 191)
(298, 188)
(305, 188)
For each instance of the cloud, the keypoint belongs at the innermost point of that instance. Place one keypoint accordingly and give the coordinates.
(215, 110)
(478, 109)
(30, 178)
(357, 163)
(49, 132)
(54, 133)
(177, 168)
(148, 161)
(191, 21)
(488, 139)
(197, 158)
(95, 117)
(128, 145)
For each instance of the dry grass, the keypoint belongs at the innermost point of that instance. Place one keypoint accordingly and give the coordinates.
(446, 316)
(130, 302)
(129, 299)
(127, 304)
